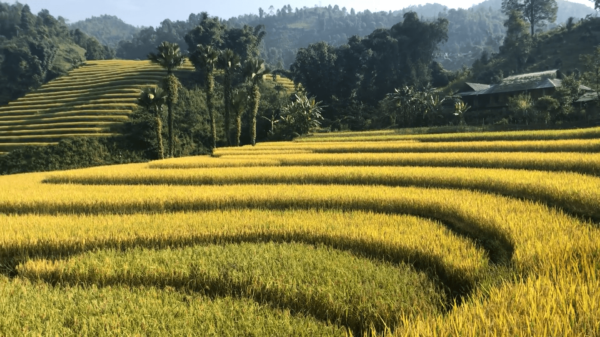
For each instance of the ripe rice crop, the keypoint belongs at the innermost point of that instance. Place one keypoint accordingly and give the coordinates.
(394, 239)
(59, 125)
(43, 138)
(576, 193)
(506, 224)
(322, 282)
(535, 239)
(574, 145)
(460, 137)
(53, 131)
(585, 163)
(66, 311)
(66, 113)
(72, 119)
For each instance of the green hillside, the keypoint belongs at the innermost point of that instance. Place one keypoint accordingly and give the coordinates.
(91, 101)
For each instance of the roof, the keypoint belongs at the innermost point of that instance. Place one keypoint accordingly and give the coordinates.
(519, 83)
(477, 86)
(587, 97)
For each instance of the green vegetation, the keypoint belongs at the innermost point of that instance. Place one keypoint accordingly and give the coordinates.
(35, 49)
(108, 30)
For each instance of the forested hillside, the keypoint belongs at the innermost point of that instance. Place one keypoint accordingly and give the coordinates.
(108, 29)
(37, 48)
(470, 31)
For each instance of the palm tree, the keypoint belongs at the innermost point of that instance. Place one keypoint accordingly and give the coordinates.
(238, 106)
(152, 100)
(169, 57)
(205, 57)
(254, 70)
(228, 61)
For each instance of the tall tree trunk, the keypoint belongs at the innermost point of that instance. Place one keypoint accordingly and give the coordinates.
(171, 142)
(171, 85)
(227, 101)
(255, 101)
(159, 140)
(211, 111)
(532, 18)
(238, 129)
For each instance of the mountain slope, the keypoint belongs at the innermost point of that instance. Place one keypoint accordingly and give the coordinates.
(91, 101)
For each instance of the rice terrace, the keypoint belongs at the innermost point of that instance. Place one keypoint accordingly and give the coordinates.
(317, 171)
(313, 238)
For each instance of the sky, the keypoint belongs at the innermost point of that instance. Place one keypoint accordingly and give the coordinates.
(152, 12)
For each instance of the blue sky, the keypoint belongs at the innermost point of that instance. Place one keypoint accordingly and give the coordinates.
(152, 12)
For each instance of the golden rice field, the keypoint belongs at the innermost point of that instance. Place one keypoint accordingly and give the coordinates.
(498, 237)
(92, 100)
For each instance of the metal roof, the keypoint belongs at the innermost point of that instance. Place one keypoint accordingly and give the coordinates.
(477, 86)
(587, 97)
(520, 83)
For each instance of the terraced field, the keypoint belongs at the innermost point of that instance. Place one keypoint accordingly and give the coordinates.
(492, 235)
(91, 101)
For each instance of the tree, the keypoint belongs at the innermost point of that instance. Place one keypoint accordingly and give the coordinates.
(169, 57)
(546, 107)
(152, 100)
(536, 12)
(254, 71)
(592, 67)
(518, 41)
(205, 57)
(567, 93)
(315, 67)
(239, 99)
(228, 62)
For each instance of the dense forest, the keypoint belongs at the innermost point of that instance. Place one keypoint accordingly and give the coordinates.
(37, 48)
(470, 31)
(107, 29)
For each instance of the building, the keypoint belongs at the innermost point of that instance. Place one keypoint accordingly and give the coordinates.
(485, 96)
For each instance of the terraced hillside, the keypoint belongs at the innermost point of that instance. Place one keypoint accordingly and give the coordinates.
(487, 234)
(89, 102)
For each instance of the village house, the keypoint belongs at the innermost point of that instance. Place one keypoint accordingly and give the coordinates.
(486, 96)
